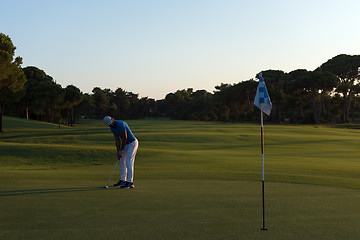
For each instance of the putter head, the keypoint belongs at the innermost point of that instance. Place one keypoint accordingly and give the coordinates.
(106, 186)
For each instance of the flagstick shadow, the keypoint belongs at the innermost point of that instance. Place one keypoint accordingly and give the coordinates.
(47, 191)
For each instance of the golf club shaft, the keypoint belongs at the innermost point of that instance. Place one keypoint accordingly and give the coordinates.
(112, 172)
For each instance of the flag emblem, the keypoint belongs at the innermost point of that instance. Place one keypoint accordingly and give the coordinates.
(262, 99)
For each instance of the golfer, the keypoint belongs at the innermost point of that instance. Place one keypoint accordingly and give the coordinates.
(126, 151)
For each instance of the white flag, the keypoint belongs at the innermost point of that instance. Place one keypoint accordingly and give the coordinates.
(262, 99)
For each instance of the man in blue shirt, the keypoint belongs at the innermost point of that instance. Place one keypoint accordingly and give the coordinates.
(126, 150)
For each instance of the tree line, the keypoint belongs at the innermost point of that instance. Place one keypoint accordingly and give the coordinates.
(330, 93)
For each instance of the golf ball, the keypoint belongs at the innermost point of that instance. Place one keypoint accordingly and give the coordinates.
(106, 187)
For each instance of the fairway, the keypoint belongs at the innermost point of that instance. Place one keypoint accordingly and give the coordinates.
(193, 180)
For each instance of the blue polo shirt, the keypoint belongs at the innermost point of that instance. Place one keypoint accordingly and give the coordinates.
(120, 127)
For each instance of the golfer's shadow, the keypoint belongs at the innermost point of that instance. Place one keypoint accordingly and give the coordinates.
(7, 193)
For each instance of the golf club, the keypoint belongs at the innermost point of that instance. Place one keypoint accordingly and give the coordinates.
(107, 184)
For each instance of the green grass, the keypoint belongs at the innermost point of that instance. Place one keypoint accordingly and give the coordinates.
(194, 180)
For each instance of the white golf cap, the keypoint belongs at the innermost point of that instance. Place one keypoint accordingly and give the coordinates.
(107, 120)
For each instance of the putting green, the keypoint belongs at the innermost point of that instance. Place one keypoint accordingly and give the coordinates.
(193, 180)
(54, 206)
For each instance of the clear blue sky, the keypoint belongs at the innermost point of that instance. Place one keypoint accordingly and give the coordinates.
(154, 47)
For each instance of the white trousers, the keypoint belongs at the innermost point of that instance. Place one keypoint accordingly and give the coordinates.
(127, 161)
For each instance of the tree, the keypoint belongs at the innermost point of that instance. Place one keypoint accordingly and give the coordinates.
(322, 83)
(122, 102)
(72, 97)
(276, 81)
(12, 78)
(235, 102)
(100, 102)
(146, 107)
(200, 105)
(178, 104)
(346, 67)
(311, 87)
(43, 97)
(85, 107)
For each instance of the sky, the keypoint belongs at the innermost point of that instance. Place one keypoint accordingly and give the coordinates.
(156, 47)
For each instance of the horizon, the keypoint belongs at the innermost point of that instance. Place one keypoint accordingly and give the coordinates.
(194, 90)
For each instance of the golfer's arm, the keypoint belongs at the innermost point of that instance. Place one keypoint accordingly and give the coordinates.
(117, 142)
(123, 139)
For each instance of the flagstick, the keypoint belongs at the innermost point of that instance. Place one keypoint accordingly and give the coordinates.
(263, 175)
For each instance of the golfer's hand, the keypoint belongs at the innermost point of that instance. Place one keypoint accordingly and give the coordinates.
(120, 153)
